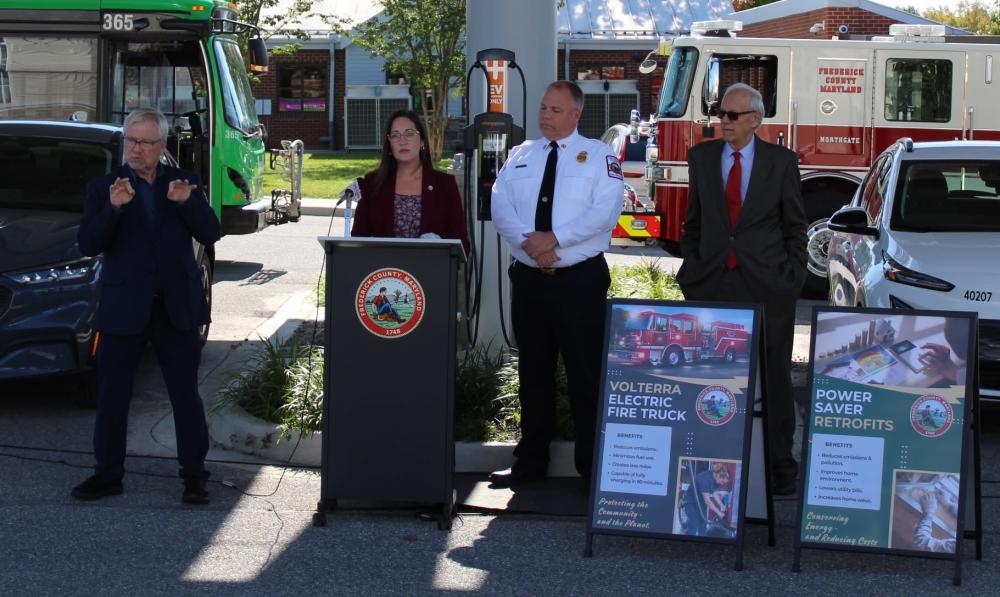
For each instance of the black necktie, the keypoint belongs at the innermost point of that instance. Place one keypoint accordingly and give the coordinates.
(543, 211)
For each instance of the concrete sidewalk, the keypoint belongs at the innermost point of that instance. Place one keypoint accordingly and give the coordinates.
(256, 537)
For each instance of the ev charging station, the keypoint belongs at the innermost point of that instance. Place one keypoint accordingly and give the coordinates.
(525, 30)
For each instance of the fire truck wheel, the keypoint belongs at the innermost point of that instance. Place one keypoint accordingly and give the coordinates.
(730, 355)
(674, 357)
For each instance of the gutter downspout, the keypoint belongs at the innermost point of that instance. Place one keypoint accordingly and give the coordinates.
(332, 103)
(566, 76)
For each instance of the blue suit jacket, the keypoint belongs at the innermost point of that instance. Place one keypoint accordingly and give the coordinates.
(137, 254)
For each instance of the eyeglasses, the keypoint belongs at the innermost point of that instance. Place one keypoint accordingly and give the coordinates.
(731, 114)
(408, 134)
(143, 143)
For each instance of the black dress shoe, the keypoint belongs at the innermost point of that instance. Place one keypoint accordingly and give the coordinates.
(194, 492)
(517, 476)
(96, 487)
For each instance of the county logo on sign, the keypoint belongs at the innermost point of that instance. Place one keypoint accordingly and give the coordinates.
(931, 416)
(390, 303)
(715, 406)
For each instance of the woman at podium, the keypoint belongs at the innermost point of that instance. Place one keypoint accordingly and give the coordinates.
(405, 197)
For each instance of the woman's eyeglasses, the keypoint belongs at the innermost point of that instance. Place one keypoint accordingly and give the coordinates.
(408, 134)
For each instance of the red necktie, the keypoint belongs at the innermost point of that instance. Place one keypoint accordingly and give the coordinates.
(733, 184)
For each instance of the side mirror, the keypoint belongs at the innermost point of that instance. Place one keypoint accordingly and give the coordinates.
(851, 220)
(710, 92)
(258, 54)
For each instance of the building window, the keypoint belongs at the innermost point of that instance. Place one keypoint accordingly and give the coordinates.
(587, 72)
(918, 90)
(302, 89)
(4, 77)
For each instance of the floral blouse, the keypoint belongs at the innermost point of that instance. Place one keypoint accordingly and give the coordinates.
(406, 221)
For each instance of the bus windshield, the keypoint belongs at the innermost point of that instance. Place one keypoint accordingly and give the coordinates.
(677, 83)
(236, 93)
(48, 78)
(160, 75)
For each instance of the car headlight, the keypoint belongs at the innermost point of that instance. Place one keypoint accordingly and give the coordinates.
(895, 272)
(63, 272)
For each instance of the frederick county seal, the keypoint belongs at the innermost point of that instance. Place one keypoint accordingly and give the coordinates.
(389, 303)
(931, 416)
(715, 406)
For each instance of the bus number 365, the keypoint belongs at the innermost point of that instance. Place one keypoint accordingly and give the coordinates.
(117, 22)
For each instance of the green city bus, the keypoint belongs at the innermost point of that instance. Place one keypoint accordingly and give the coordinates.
(95, 60)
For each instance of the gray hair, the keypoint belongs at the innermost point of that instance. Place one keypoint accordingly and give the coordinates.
(756, 100)
(573, 89)
(148, 115)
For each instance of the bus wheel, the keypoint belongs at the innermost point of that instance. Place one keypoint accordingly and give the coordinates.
(205, 272)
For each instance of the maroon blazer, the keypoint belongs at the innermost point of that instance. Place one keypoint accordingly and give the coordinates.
(441, 208)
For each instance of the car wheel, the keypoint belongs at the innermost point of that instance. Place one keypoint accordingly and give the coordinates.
(205, 272)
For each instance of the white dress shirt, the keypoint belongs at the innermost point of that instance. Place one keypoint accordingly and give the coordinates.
(586, 204)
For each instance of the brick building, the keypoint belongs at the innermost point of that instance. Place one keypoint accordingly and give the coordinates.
(332, 94)
(826, 19)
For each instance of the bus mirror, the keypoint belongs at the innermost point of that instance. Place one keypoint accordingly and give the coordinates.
(710, 93)
(258, 55)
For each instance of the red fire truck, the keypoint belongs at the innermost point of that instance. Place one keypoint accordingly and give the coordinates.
(674, 339)
(837, 103)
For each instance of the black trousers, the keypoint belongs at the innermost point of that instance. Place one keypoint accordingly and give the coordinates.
(179, 354)
(552, 315)
(779, 403)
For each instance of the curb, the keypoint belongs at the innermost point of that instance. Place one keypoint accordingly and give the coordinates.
(320, 207)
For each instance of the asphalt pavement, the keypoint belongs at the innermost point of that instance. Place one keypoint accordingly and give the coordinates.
(256, 536)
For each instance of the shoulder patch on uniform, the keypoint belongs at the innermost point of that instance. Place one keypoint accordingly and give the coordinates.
(614, 168)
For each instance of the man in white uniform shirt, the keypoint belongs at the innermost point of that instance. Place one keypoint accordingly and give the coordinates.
(555, 202)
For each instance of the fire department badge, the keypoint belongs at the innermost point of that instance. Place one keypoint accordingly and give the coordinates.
(581, 157)
(389, 303)
(715, 406)
(931, 416)
(614, 168)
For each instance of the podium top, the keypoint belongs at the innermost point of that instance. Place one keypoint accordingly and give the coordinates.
(375, 241)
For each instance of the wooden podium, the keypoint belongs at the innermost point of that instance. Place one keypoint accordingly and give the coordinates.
(388, 408)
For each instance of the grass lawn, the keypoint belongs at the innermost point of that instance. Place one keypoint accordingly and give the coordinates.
(326, 173)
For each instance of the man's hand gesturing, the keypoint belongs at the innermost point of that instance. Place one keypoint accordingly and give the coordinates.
(121, 192)
(180, 190)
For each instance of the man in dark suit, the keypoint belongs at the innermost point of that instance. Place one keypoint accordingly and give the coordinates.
(143, 217)
(744, 241)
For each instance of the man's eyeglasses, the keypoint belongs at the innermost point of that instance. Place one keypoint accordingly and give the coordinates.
(143, 143)
(408, 134)
(731, 114)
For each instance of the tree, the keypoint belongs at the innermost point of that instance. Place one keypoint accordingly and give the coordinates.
(972, 16)
(739, 5)
(423, 40)
(275, 17)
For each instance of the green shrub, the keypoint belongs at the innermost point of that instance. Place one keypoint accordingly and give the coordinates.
(282, 384)
(285, 381)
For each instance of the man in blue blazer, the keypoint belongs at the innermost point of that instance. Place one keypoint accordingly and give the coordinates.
(745, 241)
(143, 217)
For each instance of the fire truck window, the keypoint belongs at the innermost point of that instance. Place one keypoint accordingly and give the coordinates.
(759, 72)
(661, 324)
(918, 90)
(688, 326)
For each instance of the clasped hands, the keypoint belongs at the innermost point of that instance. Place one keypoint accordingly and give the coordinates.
(121, 191)
(541, 246)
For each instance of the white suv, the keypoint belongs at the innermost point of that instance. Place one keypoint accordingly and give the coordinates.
(923, 232)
